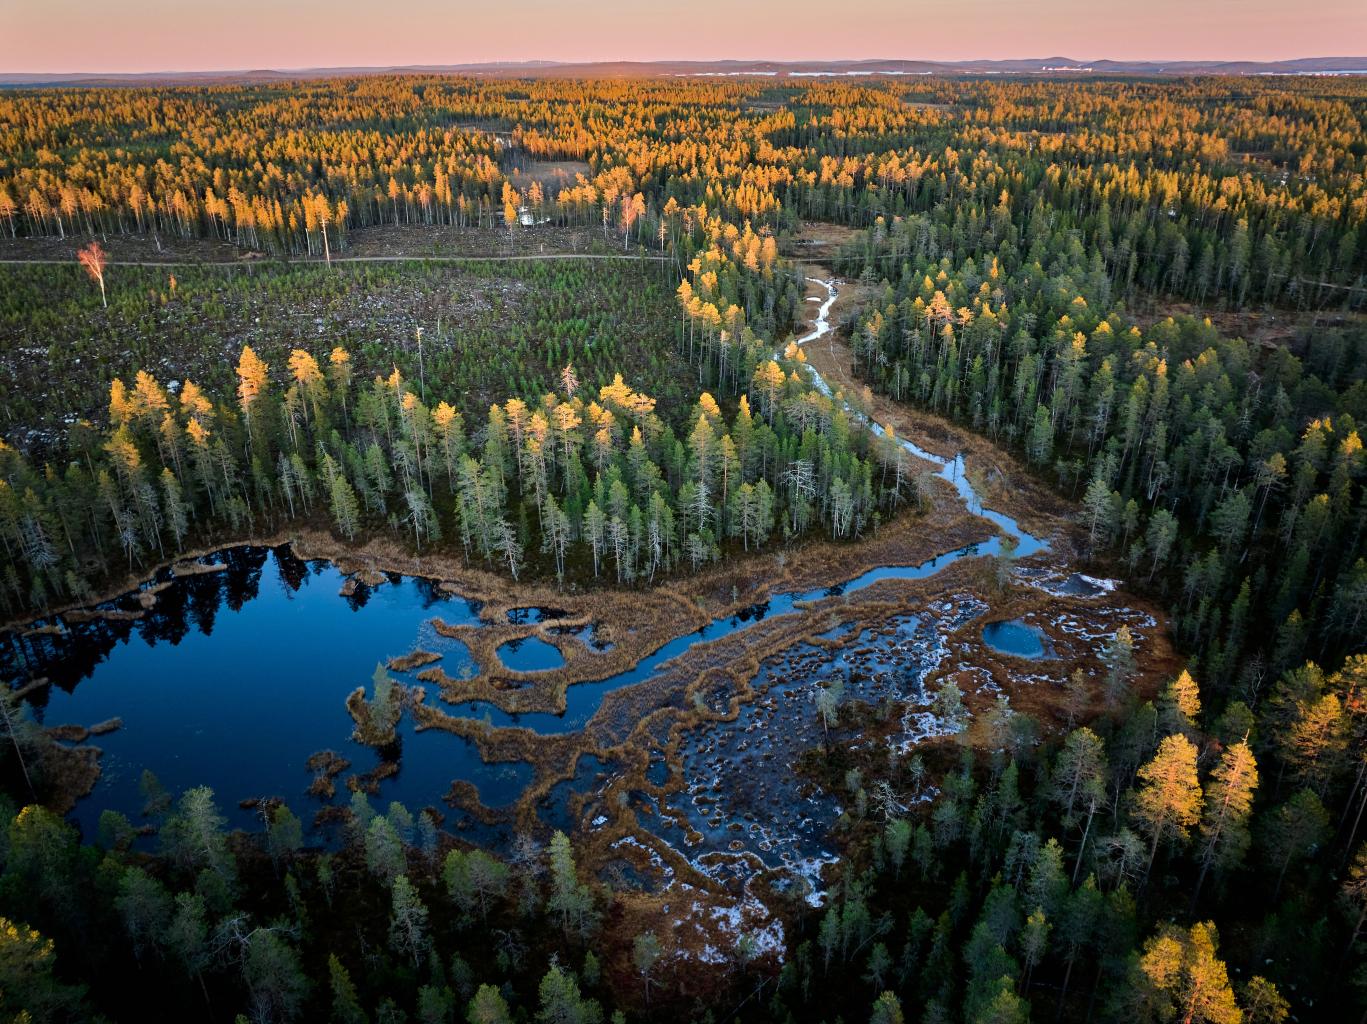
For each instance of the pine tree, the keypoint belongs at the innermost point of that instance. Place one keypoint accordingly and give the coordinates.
(1168, 801)
(1185, 968)
(1292, 832)
(346, 1008)
(346, 511)
(1262, 1003)
(1118, 657)
(145, 907)
(561, 1002)
(886, 1010)
(1079, 777)
(1034, 942)
(1353, 895)
(570, 899)
(488, 1007)
(251, 377)
(194, 836)
(1179, 705)
(407, 920)
(897, 841)
(187, 937)
(384, 853)
(173, 505)
(285, 836)
(1228, 805)
(645, 954)
(1099, 513)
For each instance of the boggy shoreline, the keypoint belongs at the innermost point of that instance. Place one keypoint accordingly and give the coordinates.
(644, 621)
(655, 715)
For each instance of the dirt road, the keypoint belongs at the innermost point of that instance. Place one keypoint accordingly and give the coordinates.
(271, 261)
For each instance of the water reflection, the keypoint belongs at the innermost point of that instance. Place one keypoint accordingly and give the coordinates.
(234, 677)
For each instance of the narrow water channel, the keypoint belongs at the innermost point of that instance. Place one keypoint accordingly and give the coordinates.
(950, 469)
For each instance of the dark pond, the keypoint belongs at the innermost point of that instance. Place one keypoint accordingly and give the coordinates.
(533, 614)
(234, 678)
(529, 654)
(590, 636)
(1016, 637)
(557, 808)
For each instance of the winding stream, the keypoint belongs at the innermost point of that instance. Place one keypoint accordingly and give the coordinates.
(950, 469)
(233, 679)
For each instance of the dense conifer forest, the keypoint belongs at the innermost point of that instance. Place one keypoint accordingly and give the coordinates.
(1149, 296)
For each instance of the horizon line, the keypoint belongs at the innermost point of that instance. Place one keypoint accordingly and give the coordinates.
(1081, 64)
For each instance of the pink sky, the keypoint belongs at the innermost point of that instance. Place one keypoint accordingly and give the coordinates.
(190, 35)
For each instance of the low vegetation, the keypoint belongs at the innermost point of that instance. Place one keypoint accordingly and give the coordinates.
(488, 330)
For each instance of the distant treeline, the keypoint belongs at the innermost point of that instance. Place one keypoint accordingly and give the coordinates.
(1241, 189)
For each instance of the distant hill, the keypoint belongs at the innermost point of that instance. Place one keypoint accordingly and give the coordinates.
(1055, 66)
